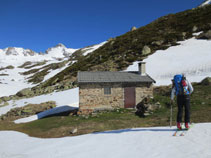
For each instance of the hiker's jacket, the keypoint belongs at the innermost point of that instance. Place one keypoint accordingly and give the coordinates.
(173, 91)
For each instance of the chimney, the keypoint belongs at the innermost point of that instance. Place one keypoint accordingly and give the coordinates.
(142, 68)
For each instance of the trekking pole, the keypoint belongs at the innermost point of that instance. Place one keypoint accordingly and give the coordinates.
(171, 115)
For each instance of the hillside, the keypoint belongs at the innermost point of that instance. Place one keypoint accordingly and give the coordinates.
(120, 52)
(23, 68)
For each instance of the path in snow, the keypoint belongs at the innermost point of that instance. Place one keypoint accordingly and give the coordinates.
(155, 142)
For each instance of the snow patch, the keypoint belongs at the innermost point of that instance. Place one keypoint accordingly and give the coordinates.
(206, 2)
(92, 49)
(152, 142)
(192, 57)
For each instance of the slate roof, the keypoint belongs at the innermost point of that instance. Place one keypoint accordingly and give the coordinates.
(113, 77)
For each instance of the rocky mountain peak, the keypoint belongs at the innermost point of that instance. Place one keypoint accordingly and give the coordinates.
(11, 51)
(18, 51)
(60, 51)
(60, 45)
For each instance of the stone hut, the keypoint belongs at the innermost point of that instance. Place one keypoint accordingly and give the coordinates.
(109, 90)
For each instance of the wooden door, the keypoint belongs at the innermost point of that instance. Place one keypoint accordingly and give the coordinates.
(130, 97)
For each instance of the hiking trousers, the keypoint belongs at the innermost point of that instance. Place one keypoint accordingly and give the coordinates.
(183, 101)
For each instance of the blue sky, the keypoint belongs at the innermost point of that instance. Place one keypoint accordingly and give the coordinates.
(40, 24)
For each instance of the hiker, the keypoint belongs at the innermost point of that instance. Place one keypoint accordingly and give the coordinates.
(182, 88)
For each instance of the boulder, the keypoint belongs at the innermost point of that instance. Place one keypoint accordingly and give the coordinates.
(206, 81)
(14, 97)
(73, 131)
(28, 110)
(184, 35)
(146, 50)
(38, 91)
(158, 43)
(135, 40)
(206, 35)
(25, 93)
(146, 107)
(133, 28)
(5, 98)
(195, 28)
(152, 107)
(48, 89)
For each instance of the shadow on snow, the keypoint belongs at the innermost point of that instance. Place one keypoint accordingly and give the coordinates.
(136, 130)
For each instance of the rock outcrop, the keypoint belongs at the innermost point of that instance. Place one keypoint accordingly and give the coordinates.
(146, 107)
(146, 50)
(28, 110)
(206, 81)
(27, 92)
(133, 28)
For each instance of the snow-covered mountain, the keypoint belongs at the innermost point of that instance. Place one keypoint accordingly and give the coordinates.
(19, 65)
(18, 51)
(15, 55)
(60, 51)
(206, 2)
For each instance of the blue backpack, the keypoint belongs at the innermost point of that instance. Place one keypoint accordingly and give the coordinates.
(181, 86)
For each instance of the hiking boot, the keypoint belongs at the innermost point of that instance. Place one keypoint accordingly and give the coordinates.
(179, 126)
(187, 125)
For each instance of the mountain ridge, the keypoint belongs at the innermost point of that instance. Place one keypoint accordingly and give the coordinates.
(119, 52)
(22, 68)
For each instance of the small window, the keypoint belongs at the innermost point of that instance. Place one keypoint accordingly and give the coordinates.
(107, 90)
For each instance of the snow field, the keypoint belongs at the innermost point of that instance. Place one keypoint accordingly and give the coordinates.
(192, 57)
(91, 49)
(153, 142)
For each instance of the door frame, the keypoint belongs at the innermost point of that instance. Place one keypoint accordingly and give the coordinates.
(132, 104)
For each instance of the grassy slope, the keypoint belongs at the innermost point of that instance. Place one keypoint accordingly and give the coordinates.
(60, 126)
(121, 51)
